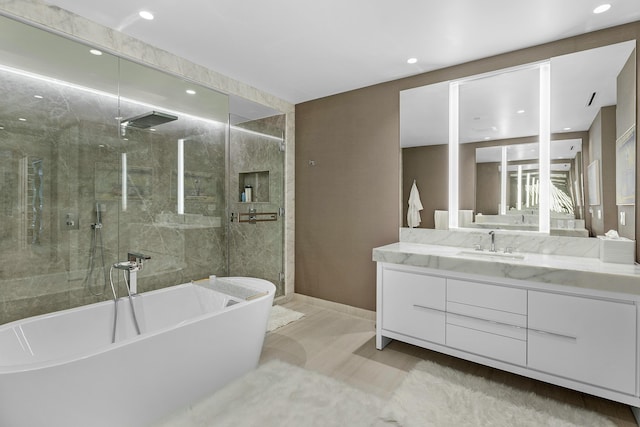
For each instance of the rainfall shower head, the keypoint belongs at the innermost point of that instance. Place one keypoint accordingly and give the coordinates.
(147, 120)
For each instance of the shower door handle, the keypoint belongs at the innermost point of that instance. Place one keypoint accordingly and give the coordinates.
(253, 216)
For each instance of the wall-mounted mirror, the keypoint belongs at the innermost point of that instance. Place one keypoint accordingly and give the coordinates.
(498, 133)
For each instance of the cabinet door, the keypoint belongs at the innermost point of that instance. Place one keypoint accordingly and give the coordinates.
(413, 304)
(588, 340)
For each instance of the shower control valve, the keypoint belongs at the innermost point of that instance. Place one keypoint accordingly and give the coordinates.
(70, 221)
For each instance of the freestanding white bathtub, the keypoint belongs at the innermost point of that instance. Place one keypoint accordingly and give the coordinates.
(61, 369)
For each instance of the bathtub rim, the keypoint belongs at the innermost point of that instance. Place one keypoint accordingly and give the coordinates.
(58, 361)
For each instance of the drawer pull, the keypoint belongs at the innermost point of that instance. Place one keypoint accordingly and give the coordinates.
(422, 307)
(554, 334)
(493, 322)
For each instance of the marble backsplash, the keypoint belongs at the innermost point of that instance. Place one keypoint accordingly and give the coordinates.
(518, 241)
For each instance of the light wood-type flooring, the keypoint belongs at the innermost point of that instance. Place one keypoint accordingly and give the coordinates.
(343, 347)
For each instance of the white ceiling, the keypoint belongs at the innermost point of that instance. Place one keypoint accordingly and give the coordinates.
(301, 50)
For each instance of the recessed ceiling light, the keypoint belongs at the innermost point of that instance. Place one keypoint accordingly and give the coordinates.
(95, 52)
(22, 119)
(487, 138)
(566, 128)
(1, 127)
(520, 111)
(191, 91)
(38, 96)
(412, 60)
(602, 8)
(152, 129)
(145, 14)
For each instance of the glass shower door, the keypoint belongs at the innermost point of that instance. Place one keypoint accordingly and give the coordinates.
(256, 199)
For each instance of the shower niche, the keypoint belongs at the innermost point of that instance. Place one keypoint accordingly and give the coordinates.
(255, 186)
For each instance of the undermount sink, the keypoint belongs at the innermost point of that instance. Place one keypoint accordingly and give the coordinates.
(494, 255)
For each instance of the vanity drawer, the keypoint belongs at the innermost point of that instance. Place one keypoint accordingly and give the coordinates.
(410, 288)
(413, 305)
(498, 341)
(494, 298)
(487, 314)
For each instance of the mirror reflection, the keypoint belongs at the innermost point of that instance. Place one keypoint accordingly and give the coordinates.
(592, 108)
(520, 191)
(500, 107)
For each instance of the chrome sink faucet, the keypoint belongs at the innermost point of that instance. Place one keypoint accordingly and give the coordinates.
(493, 241)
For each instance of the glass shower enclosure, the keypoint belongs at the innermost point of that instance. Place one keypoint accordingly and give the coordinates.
(101, 156)
(256, 198)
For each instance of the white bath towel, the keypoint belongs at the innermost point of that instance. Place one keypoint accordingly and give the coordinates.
(441, 219)
(415, 206)
(465, 218)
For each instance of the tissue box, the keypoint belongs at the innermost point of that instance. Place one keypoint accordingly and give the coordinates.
(620, 250)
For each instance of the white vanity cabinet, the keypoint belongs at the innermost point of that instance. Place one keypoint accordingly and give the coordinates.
(413, 304)
(564, 335)
(585, 339)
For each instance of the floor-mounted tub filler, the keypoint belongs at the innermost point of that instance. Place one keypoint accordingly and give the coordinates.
(61, 369)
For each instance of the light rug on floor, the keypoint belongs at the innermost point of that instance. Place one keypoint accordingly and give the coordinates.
(281, 316)
(434, 395)
(279, 394)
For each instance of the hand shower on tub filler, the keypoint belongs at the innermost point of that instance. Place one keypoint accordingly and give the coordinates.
(132, 265)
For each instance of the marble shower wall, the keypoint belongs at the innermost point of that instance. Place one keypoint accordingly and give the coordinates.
(75, 143)
(55, 271)
(182, 247)
(64, 22)
(257, 159)
(47, 156)
(60, 163)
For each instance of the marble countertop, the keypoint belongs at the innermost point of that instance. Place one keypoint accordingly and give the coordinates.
(581, 272)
